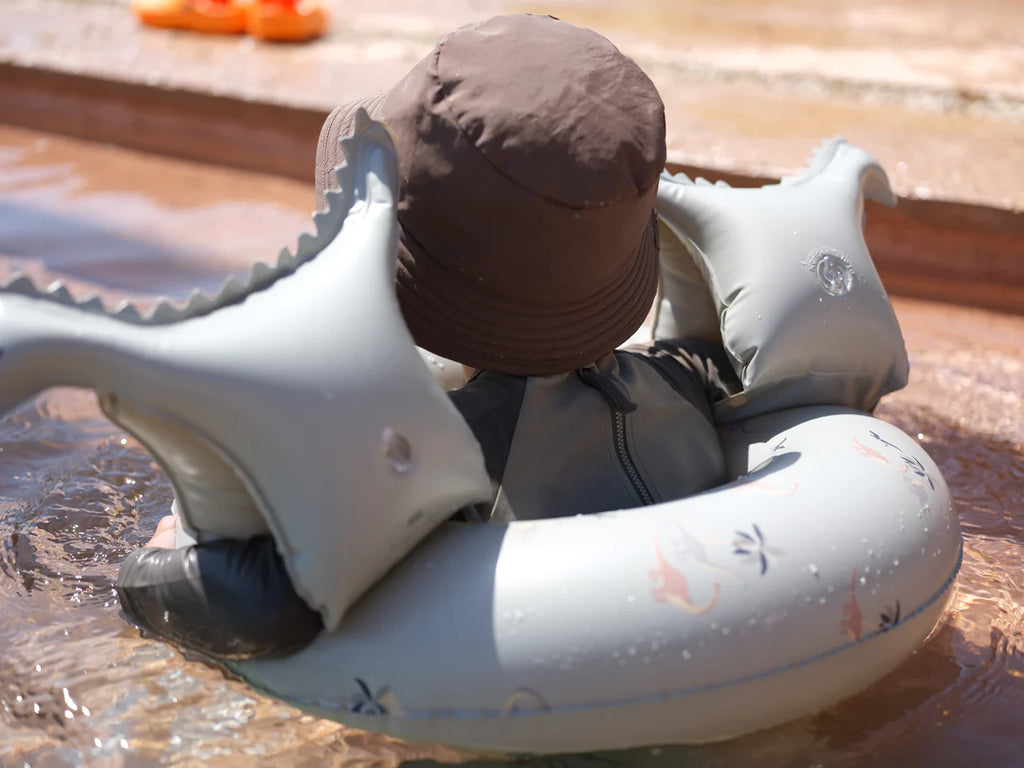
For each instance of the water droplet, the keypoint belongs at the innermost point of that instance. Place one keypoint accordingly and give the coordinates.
(397, 451)
(686, 654)
(814, 570)
(896, 561)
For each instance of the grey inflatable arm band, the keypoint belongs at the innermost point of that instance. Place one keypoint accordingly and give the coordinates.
(782, 276)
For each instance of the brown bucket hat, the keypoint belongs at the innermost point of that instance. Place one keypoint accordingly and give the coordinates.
(530, 152)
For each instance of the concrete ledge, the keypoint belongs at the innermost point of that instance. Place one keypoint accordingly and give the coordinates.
(956, 252)
(250, 135)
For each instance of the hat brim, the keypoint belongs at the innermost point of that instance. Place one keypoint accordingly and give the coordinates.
(511, 336)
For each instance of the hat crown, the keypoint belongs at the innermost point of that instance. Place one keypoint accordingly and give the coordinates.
(555, 108)
(530, 152)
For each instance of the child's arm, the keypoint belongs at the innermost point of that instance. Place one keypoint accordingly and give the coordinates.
(227, 598)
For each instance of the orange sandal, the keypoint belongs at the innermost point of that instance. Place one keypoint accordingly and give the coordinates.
(223, 17)
(293, 21)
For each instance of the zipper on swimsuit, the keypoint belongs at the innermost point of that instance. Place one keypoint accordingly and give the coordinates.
(620, 405)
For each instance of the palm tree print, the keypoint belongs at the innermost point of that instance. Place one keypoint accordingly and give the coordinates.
(753, 547)
(366, 702)
(913, 464)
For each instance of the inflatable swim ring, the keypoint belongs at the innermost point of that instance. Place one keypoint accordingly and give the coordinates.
(813, 574)
(299, 393)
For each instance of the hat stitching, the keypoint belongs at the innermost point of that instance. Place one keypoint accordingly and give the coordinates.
(327, 168)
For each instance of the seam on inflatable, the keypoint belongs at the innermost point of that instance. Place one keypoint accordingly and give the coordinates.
(481, 714)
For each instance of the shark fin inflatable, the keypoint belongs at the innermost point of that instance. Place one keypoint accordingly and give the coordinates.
(781, 276)
(294, 403)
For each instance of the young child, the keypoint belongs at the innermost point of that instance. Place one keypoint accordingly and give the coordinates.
(530, 152)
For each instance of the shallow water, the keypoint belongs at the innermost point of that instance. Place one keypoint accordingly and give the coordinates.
(79, 686)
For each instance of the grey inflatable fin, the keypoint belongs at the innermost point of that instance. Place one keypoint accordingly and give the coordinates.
(795, 297)
(294, 402)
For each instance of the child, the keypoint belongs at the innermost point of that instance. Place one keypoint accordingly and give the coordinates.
(530, 152)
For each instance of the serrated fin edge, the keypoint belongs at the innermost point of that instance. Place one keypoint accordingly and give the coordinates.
(327, 222)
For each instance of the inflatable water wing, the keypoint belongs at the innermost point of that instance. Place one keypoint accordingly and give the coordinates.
(780, 275)
(294, 403)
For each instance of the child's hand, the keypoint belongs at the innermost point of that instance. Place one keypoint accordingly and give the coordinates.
(164, 536)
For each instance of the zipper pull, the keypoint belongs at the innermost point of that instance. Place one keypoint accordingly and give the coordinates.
(609, 387)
